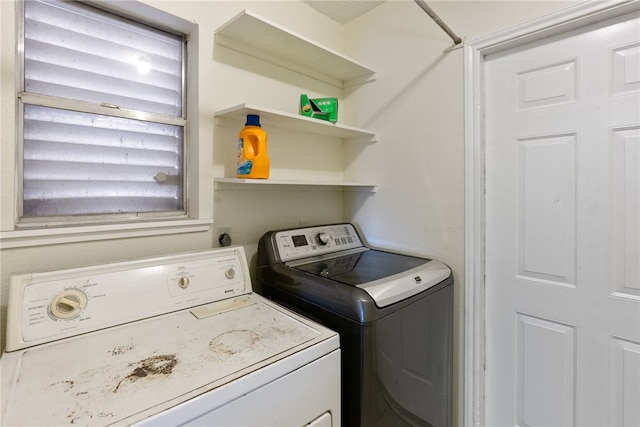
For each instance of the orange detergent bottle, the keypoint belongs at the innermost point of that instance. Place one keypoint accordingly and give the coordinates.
(253, 160)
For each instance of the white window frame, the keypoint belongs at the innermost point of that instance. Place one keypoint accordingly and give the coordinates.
(24, 237)
(145, 15)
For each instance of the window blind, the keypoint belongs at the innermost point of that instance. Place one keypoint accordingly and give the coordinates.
(78, 52)
(77, 162)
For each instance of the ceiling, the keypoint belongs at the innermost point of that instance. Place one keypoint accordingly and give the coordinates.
(343, 11)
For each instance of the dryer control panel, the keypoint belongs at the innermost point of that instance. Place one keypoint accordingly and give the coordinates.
(47, 306)
(313, 241)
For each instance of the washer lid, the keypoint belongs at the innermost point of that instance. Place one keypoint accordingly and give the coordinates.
(404, 285)
(387, 277)
(355, 268)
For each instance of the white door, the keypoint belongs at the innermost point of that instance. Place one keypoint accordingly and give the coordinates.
(563, 229)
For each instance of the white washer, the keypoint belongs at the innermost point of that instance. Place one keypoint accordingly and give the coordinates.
(177, 340)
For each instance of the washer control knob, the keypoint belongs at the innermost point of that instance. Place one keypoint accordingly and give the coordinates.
(323, 238)
(183, 282)
(230, 273)
(68, 304)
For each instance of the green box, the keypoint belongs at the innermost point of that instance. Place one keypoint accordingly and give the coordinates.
(319, 108)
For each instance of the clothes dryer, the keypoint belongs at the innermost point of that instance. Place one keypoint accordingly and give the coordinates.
(175, 340)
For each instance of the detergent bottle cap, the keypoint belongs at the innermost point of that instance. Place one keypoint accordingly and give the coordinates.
(253, 120)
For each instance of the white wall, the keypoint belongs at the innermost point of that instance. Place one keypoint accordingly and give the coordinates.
(415, 106)
(416, 109)
(229, 78)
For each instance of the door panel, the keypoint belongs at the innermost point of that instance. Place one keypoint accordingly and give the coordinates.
(546, 211)
(547, 85)
(625, 187)
(545, 396)
(625, 393)
(563, 229)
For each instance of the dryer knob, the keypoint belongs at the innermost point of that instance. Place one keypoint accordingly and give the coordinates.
(183, 282)
(323, 238)
(68, 304)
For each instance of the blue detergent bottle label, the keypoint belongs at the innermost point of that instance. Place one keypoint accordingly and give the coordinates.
(244, 165)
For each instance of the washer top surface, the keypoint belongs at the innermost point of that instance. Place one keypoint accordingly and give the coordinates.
(126, 373)
(362, 267)
(336, 252)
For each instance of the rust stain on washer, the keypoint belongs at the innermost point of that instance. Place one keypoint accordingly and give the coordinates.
(121, 349)
(63, 386)
(232, 342)
(155, 365)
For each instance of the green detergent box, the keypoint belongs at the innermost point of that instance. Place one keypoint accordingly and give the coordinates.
(319, 108)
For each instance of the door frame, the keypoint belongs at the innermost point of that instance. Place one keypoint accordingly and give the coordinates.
(475, 51)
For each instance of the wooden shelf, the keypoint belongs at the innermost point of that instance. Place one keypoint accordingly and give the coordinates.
(253, 35)
(269, 117)
(353, 186)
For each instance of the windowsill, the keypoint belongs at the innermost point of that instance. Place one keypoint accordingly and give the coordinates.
(54, 236)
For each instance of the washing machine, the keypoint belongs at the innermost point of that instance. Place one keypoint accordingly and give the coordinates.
(393, 312)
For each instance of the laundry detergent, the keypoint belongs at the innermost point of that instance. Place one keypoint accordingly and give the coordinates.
(253, 160)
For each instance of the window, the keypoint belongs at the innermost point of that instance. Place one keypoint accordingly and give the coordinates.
(103, 108)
